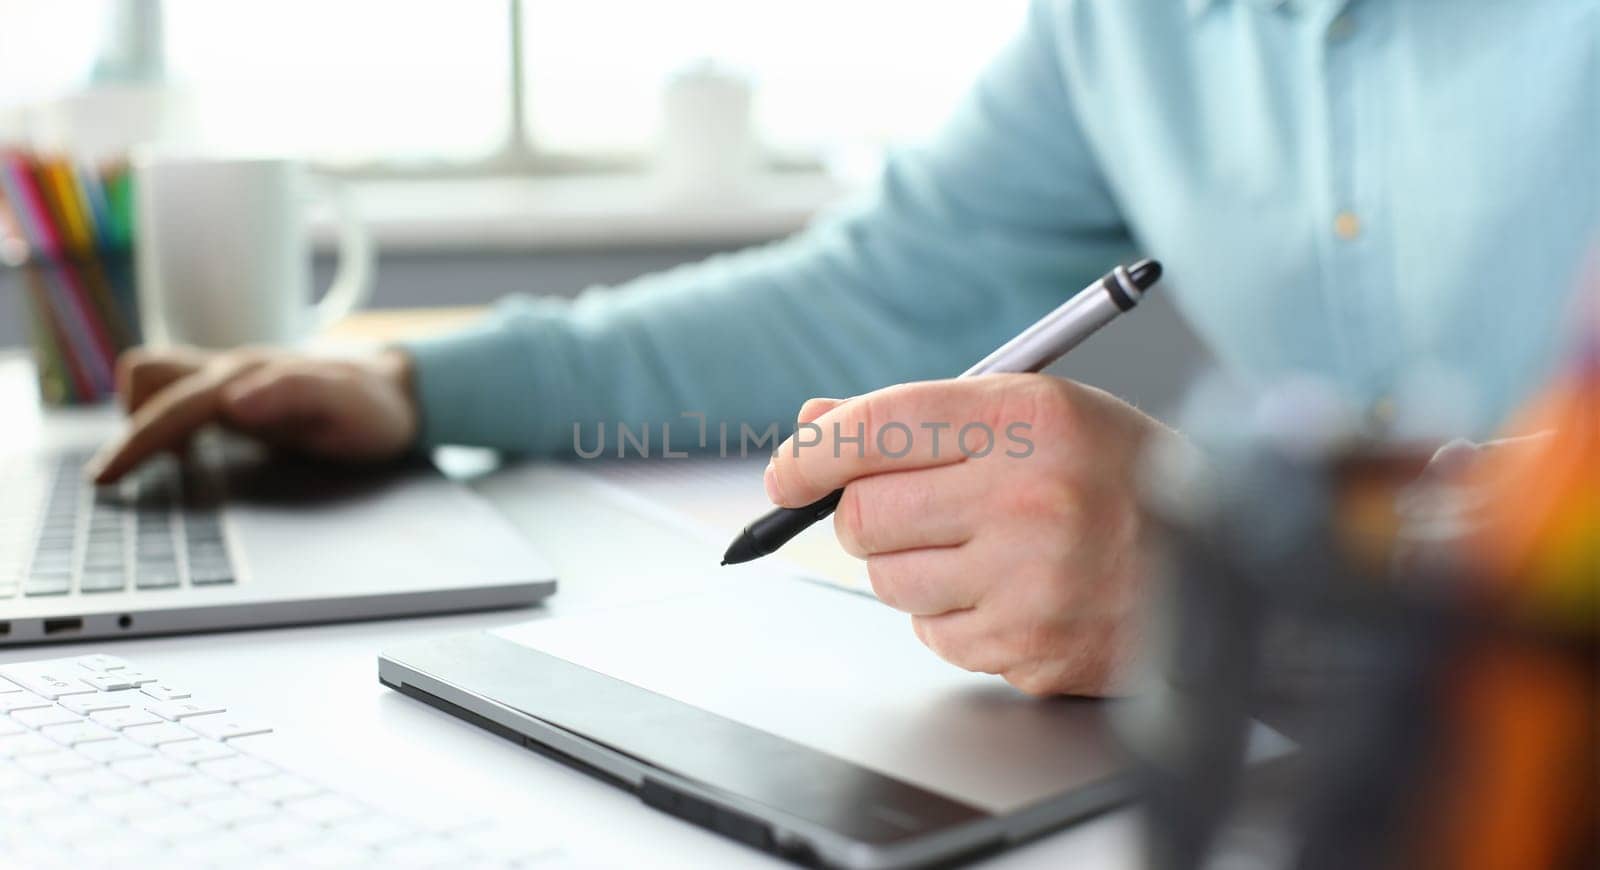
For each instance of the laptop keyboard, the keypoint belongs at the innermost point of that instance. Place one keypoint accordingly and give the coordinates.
(105, 764)
(160, 528)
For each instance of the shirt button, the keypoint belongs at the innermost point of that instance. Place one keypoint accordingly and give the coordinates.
(1382, 411)
(1341, 28)
(1346, 225)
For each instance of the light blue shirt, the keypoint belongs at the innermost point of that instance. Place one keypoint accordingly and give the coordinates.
(1349, 188)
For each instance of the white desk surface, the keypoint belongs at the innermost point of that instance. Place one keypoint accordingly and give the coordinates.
(320, 683)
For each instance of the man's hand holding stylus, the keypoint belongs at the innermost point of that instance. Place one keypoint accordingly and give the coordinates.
(1023, 563)
(358, 408)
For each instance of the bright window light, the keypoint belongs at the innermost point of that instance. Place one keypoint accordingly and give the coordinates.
(829, 73)
(347, 81)
(419, 84)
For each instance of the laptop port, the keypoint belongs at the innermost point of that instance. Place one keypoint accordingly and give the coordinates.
(57, 626)
(5, 628)
(124, 621)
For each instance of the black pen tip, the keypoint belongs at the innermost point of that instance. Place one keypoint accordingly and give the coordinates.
(741, 550)
(1145, 273)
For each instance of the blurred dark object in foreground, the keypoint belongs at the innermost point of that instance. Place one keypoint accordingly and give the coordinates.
(1422, 624)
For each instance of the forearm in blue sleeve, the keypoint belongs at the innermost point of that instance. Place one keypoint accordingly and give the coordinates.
(963, 242)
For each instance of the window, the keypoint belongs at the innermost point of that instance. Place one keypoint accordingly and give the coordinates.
(352, 81)
(419, 86)
(828, 73)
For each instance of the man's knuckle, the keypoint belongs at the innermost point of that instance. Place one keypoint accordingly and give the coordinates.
(850, 522)
(1045, 497)
(885, 581)
(1031, 680)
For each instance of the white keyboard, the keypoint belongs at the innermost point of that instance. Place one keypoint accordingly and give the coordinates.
(103, 764)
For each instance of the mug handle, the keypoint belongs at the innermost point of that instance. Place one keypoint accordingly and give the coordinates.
(352, 278)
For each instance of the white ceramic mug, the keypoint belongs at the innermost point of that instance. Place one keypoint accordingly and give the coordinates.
(224, 251)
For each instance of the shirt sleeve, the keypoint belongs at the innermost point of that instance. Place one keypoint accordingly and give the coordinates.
(964, 241)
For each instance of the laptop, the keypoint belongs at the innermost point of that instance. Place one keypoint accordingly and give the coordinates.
(233, 537)
(792, 716)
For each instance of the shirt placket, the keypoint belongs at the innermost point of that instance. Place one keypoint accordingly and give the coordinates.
(1357, 242)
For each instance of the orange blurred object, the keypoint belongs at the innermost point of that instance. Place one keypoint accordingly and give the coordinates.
(1539, 542)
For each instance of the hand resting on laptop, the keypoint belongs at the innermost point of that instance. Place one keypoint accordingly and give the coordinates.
(351, 408)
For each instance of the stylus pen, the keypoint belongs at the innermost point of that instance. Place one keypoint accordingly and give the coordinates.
(1036, 347)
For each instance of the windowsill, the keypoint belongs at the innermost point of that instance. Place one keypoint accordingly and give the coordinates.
(579, 212)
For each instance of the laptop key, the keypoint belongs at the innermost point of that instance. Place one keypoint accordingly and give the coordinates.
(39, 717)
(49, 679)
(156, 735)
(53, 562)
(238, 768)
(48, 764)
(108, 751)
(22, 701)
(47, 584)
(156, 575)
(86, 704)
(74, 733)
(172, 711)
(211, 577)
(101, 662)
(101, 580)
(196, 751)
(23, 745)
(126, 718)
(164, 692)
(152, 768)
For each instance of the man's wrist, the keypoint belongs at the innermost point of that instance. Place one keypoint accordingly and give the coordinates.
(395, 366)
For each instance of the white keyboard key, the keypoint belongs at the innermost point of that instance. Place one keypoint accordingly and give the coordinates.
(42, 716)
(195, 751)
(151, 769)
(326, 809)
(502, 844)
(14, 778)
(175, 825)
(26, 803)
(175, 710)
(7, 687)
(374, 831)
(127, 717)
(87, 704)
(8, 727)
(91, 781)
(75, 733)
(213, 849)
(107, 751)
(101, 663)
(20, 745)
(64, 824)
(114, 680)
(22, 701)
(164, 692)
(420, 852)
(48, 679)
(233, 809)
(328, 855)
(122, 849)
(222, 726)
(278, 832)
(282, 787)
(155, 735)
(236, 769)
(131, 803)
(190, 788)
(54, 763)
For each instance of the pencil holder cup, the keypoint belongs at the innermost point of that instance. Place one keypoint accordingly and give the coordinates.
(81, 313)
